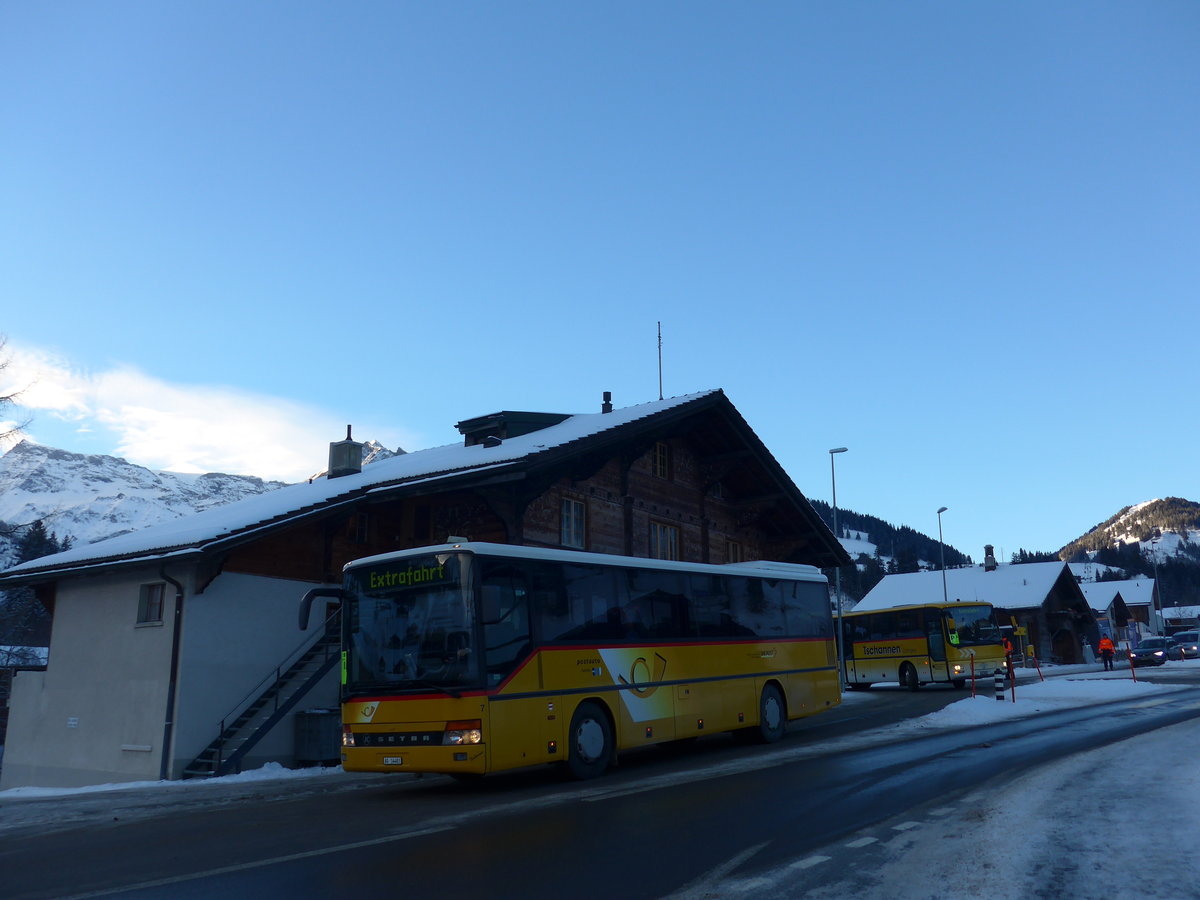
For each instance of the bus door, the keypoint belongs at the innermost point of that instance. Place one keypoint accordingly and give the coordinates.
(937, 644)
(518, 726)
(853, 630)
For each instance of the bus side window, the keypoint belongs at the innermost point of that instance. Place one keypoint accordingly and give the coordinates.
(657, 605)
(505, 596)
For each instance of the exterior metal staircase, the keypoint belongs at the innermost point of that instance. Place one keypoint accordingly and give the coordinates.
(267, 704)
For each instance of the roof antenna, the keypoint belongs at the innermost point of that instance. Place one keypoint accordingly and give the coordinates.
(660, 396)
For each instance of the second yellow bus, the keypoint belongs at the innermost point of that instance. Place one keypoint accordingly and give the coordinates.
(921, 644)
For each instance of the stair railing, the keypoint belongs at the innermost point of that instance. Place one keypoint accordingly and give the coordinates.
(273, 680)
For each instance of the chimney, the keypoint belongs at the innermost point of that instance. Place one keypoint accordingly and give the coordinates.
(989, 558)
(345, 457)
(606, 406)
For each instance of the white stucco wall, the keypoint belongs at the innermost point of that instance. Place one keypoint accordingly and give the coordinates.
(96, 714)
(234, 635)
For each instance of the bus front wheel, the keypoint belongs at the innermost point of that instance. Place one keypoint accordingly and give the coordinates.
(590, 742)
(772, 715)
(908, 677)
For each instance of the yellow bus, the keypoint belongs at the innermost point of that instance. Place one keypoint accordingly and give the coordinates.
(471, 658)
(921, 644)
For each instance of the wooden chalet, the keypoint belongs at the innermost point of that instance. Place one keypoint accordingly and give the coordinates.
(162, 638)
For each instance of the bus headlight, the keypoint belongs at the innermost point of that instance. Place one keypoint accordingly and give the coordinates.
(463, 732)
(347, 736)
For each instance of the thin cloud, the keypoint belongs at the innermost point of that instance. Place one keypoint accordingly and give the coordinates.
(180, 428)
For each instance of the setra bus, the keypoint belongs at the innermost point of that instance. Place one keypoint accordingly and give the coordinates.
(921, 643)
(470, 658)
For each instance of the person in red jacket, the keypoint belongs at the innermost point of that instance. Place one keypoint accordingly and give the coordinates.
(1107, 651)
(1008, 654)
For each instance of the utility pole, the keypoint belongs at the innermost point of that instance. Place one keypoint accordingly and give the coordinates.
(660, 393)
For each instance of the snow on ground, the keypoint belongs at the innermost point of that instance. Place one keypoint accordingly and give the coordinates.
(268, 773)
(1116, 822)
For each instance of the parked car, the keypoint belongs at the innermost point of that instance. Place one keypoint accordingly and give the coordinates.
(1152, 651)
(1189, 644)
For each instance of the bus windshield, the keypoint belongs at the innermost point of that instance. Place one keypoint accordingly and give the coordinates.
(975, 625)
(410, 626)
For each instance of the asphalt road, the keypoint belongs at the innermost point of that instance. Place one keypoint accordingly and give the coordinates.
(666, 823)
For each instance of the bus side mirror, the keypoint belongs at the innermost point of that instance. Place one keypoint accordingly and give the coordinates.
(490, 594)
(307, 601)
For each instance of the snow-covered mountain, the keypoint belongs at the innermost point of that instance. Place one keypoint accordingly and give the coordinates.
(88, 497)
(1166, 527)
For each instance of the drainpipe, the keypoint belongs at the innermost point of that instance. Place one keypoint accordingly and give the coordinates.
(164, 766)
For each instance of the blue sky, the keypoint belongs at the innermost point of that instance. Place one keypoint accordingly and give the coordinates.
(958, 238)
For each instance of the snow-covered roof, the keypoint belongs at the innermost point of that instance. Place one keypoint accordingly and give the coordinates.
(1007, 587)
(1135, 592)
(186, 535)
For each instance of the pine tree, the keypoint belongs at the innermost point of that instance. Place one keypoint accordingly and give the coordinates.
(24, 621)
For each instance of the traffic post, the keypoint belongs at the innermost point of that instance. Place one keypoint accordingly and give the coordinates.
(999, 679)
(1033, 656)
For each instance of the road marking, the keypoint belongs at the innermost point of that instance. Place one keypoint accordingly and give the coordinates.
(706, 883)
(905, 826)
(862, 842)
(258, 863)
(944, 811)
(620, 792)
(754, 884)
(807, 863)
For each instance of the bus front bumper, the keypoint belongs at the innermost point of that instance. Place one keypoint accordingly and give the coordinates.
(466, 760)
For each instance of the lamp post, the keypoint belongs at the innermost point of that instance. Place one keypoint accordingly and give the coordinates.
(942, 547)
(837, 589)
(1159, 625)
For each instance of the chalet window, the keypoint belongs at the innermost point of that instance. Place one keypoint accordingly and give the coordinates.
(573, 524)
(734, 552)
(357, 529)
(662, 460)
(664, 541)
(150, 604)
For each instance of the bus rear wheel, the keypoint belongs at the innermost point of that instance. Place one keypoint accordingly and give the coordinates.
(772, 715)
(908, 677)
(589, 742)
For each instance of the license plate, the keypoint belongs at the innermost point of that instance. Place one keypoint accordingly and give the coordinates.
(393, 760)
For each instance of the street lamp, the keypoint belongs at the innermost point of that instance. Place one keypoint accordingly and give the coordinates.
(942, 544)
(1159, 625)
(837, 590)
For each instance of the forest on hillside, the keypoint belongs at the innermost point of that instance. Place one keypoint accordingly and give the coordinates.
(1172, 514)
(1178, 576)
(905, 548)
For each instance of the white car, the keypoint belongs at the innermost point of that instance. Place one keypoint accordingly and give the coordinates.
(1189, 644)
